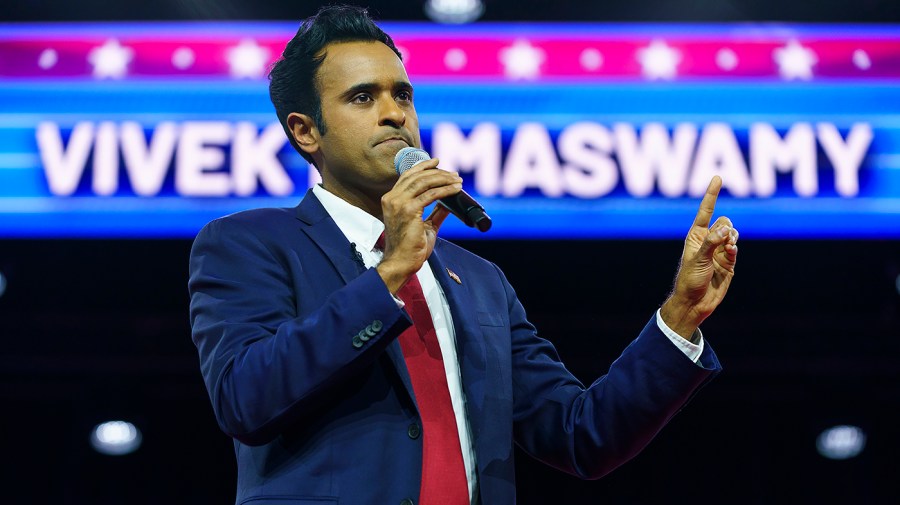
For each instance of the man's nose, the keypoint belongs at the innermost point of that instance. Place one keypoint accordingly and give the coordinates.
(391, 114)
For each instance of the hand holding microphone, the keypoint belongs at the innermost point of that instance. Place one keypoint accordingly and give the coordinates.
(409, 237)
(461, 204)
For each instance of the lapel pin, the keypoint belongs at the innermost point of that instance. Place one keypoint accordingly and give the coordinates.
(454, 276)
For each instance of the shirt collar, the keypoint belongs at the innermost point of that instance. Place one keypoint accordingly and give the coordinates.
(357, 225)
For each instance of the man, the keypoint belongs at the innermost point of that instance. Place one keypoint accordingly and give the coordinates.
(307, 325)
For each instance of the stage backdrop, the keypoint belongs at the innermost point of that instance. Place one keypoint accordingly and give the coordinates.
(561, 131)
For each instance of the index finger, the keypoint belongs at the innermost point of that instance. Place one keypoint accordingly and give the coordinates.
(708, 204)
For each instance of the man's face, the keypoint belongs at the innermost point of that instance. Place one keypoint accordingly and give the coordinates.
(367, 107)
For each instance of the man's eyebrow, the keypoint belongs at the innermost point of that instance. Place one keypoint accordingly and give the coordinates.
(372, 86)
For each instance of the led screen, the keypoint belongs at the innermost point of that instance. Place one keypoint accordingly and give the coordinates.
(560, 131)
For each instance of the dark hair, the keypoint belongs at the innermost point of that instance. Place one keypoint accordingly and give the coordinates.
(292, 80)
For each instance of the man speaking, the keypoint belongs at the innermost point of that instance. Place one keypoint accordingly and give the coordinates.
(356, 358)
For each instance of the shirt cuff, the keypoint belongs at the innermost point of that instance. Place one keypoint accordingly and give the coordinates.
(690, 349)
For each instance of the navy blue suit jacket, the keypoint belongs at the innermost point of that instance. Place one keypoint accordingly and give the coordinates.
(276, 299)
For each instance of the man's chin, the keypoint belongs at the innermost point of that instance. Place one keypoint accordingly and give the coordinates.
(390, 148)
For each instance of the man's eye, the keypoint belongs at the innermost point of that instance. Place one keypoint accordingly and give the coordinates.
(405, 96)
(361, 99)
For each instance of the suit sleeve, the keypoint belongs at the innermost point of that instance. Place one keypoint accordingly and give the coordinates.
(264, 366)
(589, 431)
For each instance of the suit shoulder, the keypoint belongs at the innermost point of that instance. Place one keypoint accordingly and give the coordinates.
(451, 250)
(260, 216)
(254, 219)
(262, 225)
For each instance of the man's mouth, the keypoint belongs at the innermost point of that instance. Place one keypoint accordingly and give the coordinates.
(393, 139)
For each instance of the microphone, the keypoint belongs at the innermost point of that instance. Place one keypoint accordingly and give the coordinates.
(460, 205)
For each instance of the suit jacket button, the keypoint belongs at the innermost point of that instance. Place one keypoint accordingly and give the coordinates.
(414, 431)
(406, 501)
(364, 336)
(376, 325)
(357, 342)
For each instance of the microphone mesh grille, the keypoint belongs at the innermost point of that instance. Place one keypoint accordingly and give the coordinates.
(408, 157)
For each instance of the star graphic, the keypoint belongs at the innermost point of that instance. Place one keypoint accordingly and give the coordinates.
(183, 58)
(591, 59)
(247, 59)
(795, 61)
(48, 58)
(522, 60)
(110, 60)
(726, 59)
(659, 61)
(455, 59)
(861, 60)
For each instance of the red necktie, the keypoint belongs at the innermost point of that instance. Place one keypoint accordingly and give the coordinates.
(443, 472)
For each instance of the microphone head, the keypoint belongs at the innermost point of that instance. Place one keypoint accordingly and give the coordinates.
(409, 157)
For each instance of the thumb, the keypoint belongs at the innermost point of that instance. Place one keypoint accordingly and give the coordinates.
(715, 238)
(437, 217)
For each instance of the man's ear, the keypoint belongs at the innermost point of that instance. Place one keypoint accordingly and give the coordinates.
(303, 128)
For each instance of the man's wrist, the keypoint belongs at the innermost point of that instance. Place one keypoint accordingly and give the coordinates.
(680, 318)
(393, 276)
(692, 348)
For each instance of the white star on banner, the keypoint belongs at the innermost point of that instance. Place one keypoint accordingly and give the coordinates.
(861, 60)
(522, 60)
(110, 60)
(183, 58)
(591, 59)
(48, 58)
(726, 59)
(455, 59)
(659, 61)
(247, 59)
(795, 61)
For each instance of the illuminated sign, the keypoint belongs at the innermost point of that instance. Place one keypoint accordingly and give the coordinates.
(560, 131)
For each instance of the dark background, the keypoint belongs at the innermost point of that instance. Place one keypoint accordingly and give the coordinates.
(809, 335)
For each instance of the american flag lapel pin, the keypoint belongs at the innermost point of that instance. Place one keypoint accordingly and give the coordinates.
(453, 276)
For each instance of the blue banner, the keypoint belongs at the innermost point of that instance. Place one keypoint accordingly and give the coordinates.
(548, 155)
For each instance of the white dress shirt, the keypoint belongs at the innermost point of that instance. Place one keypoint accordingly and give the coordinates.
(363, 230)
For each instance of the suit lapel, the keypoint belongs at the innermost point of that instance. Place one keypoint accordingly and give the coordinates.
(469, 345)
(324, 232)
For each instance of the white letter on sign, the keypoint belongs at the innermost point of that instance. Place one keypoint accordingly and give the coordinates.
(655, 156)
(846, 158)
(254, 158)
(147, 162)
(64, 166)
(769, 153)
(718, 153)
(195, 158)
(588, 172)
(532, 163)
(479, 153)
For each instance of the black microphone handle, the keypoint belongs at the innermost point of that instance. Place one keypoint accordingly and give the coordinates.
(463, 206)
